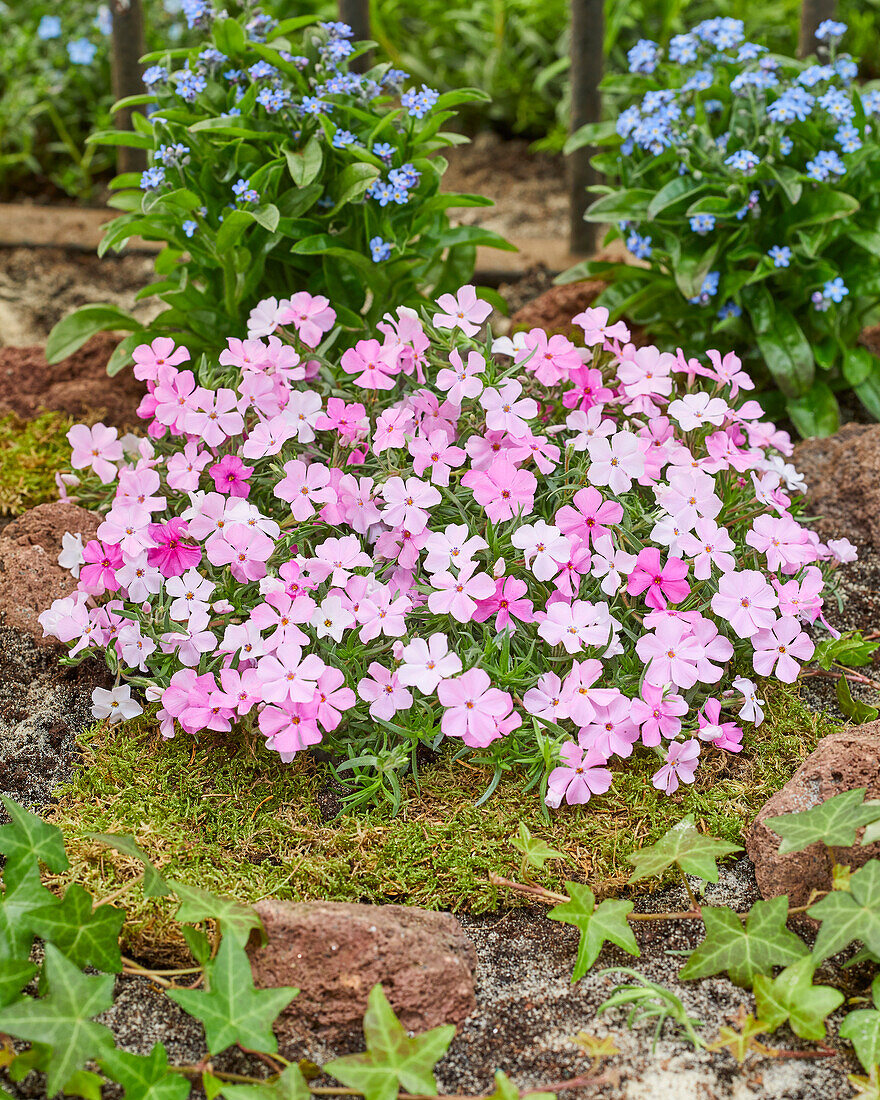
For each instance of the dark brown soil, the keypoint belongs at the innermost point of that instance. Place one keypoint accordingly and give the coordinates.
(78, 386)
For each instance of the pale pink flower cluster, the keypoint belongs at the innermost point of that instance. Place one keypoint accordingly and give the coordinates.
(428, 534)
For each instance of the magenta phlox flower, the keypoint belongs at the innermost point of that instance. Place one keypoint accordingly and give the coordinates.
(662, 582)
(231, 476)
(384, 692)
(658, 713)
(508, 603)
(580, 775)
(682, 758)
(502, 489)
(473, 708)
(98, 573)
(723, 735)
(588, 389)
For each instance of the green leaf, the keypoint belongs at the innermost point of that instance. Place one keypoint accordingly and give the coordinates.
(833, 822)
(393, 1061)
(759, 302)
(231, 1009)
(745, 950)
(120, 137)
(291, 1085)
(535, 850)
(84, 323)
(855, 709)
(695, 853)
(862, 1028)
(304, 167)
(790, 182)
(235, 222)
(21, 898)
(816, 414)
(14, 976)
(676, 190)
(792, 996)
(596, 923)
(852, 650)
(155, 886)
(505, 1089)
(787, 354)
(236, 920)
(86, 936)
(267, 216)
(631, 205)
(830, 206)
(353, 182)
(63, 1019)
(84, 1083)
(145, 1077)
(858, 364)
(593, 133)
(849, 915)
(27, 841)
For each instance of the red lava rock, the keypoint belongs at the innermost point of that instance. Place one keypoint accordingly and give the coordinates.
(30, 576)
(554, 309)
(840, 762)
(335, 952)
(843, 477)
(78, 385)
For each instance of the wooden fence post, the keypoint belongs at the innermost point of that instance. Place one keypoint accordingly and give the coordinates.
(128, 48)
(357, 14)
(813, 12)
(587, 30)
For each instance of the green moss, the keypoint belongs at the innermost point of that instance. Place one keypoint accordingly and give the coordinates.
(229, 817)
(30, 453)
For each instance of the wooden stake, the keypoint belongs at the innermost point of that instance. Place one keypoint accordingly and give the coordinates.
(357, 14)
(813, 12)
(587, 31)
(128, 48)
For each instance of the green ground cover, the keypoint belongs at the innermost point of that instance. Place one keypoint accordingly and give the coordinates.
(31, 451)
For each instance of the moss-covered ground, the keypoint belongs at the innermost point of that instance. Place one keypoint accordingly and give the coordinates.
(30, 453)
(229, 817)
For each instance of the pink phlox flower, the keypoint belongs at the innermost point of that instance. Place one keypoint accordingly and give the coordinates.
(98, 573)
(567, 581)
(690, 494)
(171, 553)
(187, 699)
(243, 640)
(304, 486)
(746, 601)
(544, 548)
(725, 453)
(484, 448)
(139, 580)
(616, 461)
(426, 663)
(332, 697)
(461, 380)
(589, 516)
(375, 364)
(267, 438)
(311, 316)
(216, 416)
(457, 596)
(644, 372)
(502, 489)
(66, 618)
(302, 412)
(139, 488)
(611, 564)
(662, 582)
(349, 420)
(266, 316)
(412, 340)
(462, 310)
(184, 467)
(783, 542)
(384, 692)
(241, 690)
(148, 358)
(682, 758)
(331, 618)
(612, 731)
(507, 411)
(583, 697)
(752, 706)
(508, 602)
(843, 551)
(133, 648)
(231, 476)
(380, 612)
(175, 396)
(336, 559)
(246, 355)
(127, 527)
(401, 545)
(729, 372)
(580, 775)
(96, 448)
(436, 453)
(693, 368)
(696, 410)
(723, 735)
(537, 447)
(802, 600)
(658, 713)
(549, 358)
(473, 708)
(289, 728)
(286, 674)
(594, 322)
(588, 390)
(407, 503)
(455, 545)
(393, 427)
(671, 654)
(708, 545)
(189, 592)
(575, 625)
(282, 615)
(244, 549)
(548, 699)
(780, 648)
(360, 505)
(191, 640)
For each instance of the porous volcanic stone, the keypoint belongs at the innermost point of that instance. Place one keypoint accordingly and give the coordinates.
(30, 576)
(843, 476)
(840, 762)
(554, 309)
(335, 953)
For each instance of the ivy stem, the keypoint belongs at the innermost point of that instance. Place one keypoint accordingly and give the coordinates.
(694, 903)
(550, 898)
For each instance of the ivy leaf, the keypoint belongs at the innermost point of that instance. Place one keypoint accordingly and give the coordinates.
(87, 936)
(505, 1089)
(849, 915)
(851, 649)
(84, 1083)
(596, 923)
(792, 996)
(291, 1085)
(155, 886)
(236, 920)
(862, 1028)
(63, 1019)
(745, 950)
(393, 1061)
(535, 850)
(694, 853)
(833, 822)
(27, 895)
(740, 1042)
(28, 840)
(145, 1077)
(14, 976)
(231, 1009)
(866, 1087)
